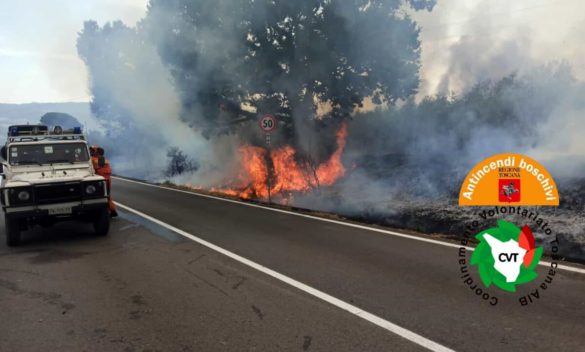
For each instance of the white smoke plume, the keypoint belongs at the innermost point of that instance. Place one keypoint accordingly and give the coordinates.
(491, 83)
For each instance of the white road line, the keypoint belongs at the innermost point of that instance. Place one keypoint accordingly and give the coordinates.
(348, 224)
(385, 324)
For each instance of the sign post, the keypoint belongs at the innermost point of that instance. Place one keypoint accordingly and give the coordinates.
(268, 124)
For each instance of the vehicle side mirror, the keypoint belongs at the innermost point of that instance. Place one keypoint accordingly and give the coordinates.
(4, 153)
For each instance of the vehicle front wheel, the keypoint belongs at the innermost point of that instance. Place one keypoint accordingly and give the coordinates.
(12, 231)
(101, 223)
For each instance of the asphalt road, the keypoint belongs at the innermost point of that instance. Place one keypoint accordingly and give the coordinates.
(144, 288)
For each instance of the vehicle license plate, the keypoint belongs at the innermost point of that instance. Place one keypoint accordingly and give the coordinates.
(61, 211)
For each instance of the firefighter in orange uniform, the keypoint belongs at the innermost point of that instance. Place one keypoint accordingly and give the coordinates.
(102, 167)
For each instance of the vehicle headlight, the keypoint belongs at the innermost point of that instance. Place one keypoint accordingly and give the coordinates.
(90, 190)
(20, 195)
(24, 196)
(94, 189)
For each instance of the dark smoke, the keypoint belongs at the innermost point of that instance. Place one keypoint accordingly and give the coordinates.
(196, 74)
(274, 56)
(424, 150)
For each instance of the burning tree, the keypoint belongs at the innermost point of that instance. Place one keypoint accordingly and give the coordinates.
(311, 63)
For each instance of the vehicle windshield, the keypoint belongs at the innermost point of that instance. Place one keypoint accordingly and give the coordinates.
(42, 154)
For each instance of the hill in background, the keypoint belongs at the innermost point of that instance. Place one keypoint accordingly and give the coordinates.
(11, 114)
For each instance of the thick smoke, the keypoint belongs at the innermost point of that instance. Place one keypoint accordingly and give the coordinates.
(197, 74)
(464, 43)
(272, 56)
(134, 99)
(423, 150)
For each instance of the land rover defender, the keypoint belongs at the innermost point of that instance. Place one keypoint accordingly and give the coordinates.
(46, 176)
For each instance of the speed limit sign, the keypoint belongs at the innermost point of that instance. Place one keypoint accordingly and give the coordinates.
(268, 123)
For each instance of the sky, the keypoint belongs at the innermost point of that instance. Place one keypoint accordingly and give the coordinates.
(462, 42)
(38, 57)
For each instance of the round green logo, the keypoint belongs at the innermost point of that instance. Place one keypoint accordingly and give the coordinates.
(506, 256)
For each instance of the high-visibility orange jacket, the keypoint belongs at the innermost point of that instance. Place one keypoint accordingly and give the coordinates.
(102, 167)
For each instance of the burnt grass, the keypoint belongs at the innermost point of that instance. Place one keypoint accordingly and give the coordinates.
(443, 216)
(439, 215)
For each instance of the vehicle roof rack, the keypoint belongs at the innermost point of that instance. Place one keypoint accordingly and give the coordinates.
(36, 133)
(48, 137)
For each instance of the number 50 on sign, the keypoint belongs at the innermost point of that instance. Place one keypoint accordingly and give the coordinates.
(268, 123)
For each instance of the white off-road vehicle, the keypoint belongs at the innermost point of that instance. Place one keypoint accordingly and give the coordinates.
(46, 177)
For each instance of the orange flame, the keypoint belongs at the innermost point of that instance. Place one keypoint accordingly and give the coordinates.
(329, 172)
(288, 175)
